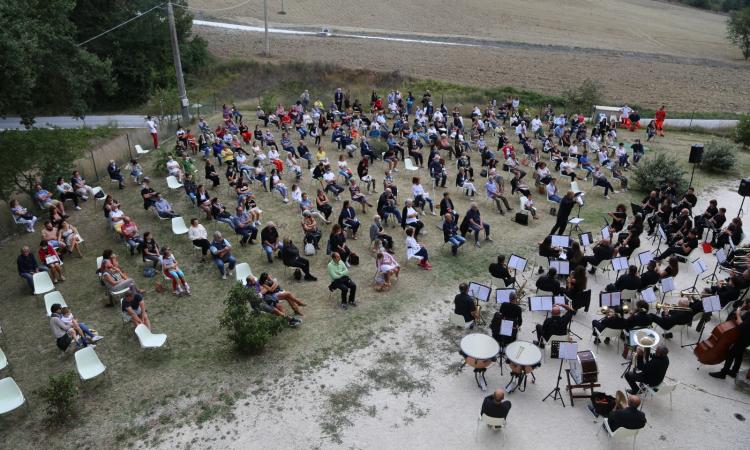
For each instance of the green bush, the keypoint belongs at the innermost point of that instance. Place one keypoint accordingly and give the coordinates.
(719, 157)
(653, 172)
(742, 132)
(248, 330)
(60, 396)
(581, 99)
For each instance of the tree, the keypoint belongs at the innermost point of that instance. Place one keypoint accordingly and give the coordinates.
(248, 330)
(582, 98)
(41, 155)
(43, 69)
(742, 132)
(738, 30)
(141, 51)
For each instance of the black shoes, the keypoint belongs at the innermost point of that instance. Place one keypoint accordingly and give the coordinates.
(720, 374)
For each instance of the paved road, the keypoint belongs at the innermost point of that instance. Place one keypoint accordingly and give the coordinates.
(118, 121)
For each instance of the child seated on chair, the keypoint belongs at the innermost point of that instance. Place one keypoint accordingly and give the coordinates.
(68, 319)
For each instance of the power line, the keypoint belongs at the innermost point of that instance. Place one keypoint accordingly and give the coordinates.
(137, 16)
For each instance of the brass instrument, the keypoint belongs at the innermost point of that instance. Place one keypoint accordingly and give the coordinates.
(672, 307)
(520, 293)
(606, 309)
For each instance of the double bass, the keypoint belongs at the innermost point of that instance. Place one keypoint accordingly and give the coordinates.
(714, 349)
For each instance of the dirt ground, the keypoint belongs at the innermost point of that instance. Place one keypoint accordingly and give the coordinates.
(650, 54)
(406, 387)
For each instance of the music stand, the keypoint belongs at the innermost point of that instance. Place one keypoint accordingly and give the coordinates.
(644, 258)
(585, 239)
(700, 268)
(516, 263)
(480, 293)
(710, 304)
(576, 221)
(564, 351)
(667, 286)
(721, 256)
(662, 236)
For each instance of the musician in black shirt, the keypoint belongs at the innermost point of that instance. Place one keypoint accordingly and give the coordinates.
(650, 371)
(734, 358)
(603, 251)
(650, 276)
(555, 325)
(495, 406)
(500, 270)
(509, 310)
(629, 281)
(639, 317)
(630, 418)
(682, 247)
(549, 283)
(669, 318)
(464, 304)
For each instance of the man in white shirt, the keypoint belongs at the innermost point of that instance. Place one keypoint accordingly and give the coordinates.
(330, 179)
(536, 123)
(151, 125)
(552, 191)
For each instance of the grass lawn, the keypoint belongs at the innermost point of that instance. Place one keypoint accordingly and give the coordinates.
(198, 377)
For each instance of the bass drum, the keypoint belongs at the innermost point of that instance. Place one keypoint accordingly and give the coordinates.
(584, 368)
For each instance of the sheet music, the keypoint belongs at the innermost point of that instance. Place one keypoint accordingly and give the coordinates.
(575, 221)
(620, 263)
(560, 241)
(645, 257)
(516, 262)
(559, 299)
(479, 291)
(568, 350)
(721, 255)
(610, 298)
(605, 233)
(662, 234)
(541, 303)
(667, 284)
(506, 328)
(699, 266)
(503, 295)
(585, 239)
(562, 267)
(648, 295)
(711, 304)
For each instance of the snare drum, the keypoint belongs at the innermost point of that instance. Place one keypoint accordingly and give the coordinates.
(584, 368)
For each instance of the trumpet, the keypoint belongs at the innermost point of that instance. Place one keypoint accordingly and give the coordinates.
(672, 307)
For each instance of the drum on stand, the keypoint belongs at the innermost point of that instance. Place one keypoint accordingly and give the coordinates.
(584, 368)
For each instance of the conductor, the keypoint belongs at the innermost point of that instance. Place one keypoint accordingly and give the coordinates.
(563, 212)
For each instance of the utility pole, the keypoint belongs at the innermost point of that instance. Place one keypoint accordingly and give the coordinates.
(267, 50)
(184, 103)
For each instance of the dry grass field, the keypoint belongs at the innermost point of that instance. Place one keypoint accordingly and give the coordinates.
(643, 52)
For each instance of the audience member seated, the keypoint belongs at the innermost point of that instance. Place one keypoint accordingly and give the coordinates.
(221, 250)
(268, 303)
(23, 215)
(387, 267)
(81, 328)
(377, 232)
(450, 234)
(163, 207)
(290, 257)
(116, 280)
(65, 333)
(339, 274)
(28, 266)
(272, 293)
(51, 259)
(348, 219)
(414, 249)
(134, 308)
(199, 237)
(269, 237)
(150, 250)
(174, 273)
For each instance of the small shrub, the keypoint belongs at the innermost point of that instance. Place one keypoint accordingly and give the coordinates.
(60, 396)
(248, 330)
(719, 157)
(654, 172)
(742, 132)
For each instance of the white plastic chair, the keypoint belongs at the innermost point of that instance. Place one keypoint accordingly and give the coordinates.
(3, 360)
(139, 150)
(522, 204)
(149, 339)
(51, 298)
(96, 190)
(659, 391)
(11, 396)
(178, 226)
(88, 364)
(574, 187)
(458, 320)
(173, 183)
(621, 432)
(42, 283)
(409, 165)
(493, 422)
(608, 333)
(241, 272)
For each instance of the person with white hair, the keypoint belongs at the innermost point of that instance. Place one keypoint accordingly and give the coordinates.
(221, 250)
